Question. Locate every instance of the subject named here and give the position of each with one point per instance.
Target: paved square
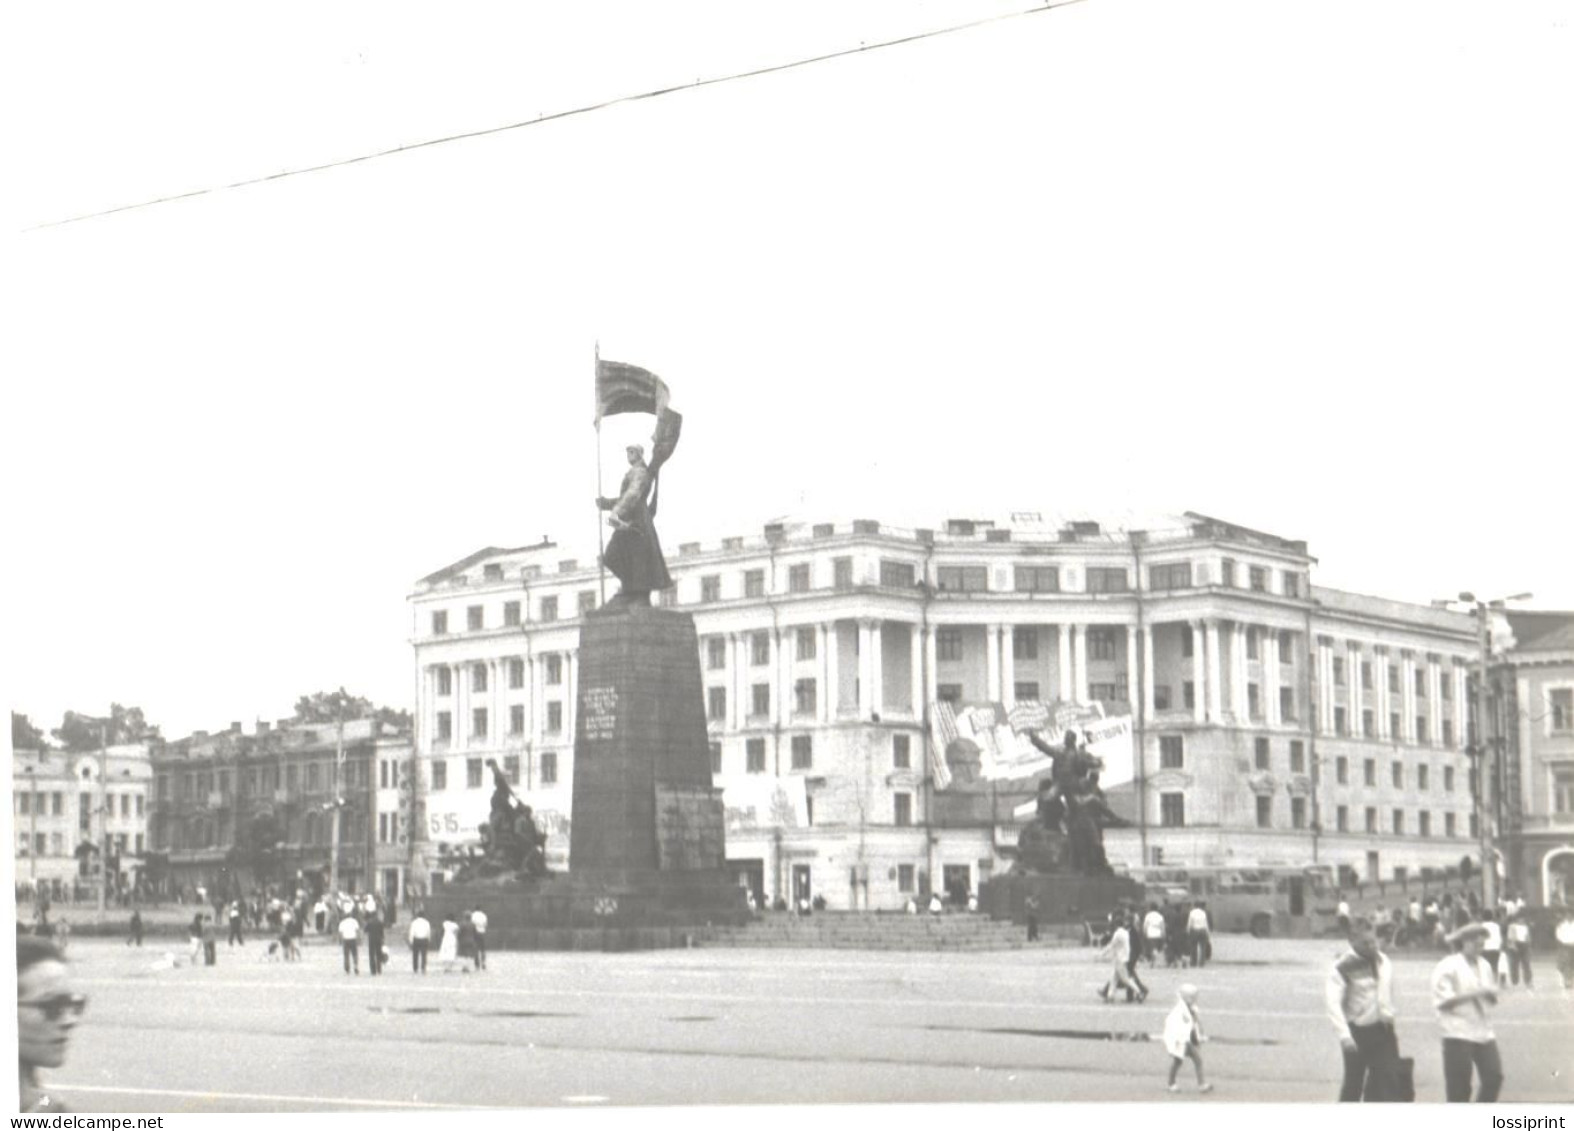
(734, 1026)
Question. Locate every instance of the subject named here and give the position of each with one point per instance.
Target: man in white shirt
(1360, 999)
(1342, 912)
(350, 939)
(478, 921)
(1153, 933)
(1199, 939)
(1118, 950)
(1492, 947)
(1565, 938)
(1517, 946)
(1462, 988)
(420, 940)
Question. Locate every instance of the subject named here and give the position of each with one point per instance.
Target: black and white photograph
(775, 563)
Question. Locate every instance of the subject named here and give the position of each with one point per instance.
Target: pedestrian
(374, 943)
(1183, 1037)
(1564, 935)
(935, 906)
(210, 943)
(1174, 934)
(235, 925)
(350, 940)
(1118, 952)
(1133, 931)
(448, 948)
(1517, 946)
(1199, 938)
(467, 938)
(1343, 912)
(420, 940)
(1463, 985)
(195, 932)
(320, 916)
(1360, 999)
(478, 918)
(1030, 909)
(1492, 948)
(135, 938)
(1153, 933)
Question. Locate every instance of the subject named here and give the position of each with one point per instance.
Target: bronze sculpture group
(510, 841)
(1066, 834)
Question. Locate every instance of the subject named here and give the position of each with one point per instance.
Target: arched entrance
(1557, 877)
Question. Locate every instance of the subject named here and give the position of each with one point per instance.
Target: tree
(24, 735)
(331, 706)
(78, 732)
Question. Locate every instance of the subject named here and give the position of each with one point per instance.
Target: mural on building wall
(763, 802)
(979, 743)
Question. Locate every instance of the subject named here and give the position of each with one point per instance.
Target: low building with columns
(1278, 723)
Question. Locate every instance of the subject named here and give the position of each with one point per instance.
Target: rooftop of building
(289, 735)
(1368, 608)
(1542, 631)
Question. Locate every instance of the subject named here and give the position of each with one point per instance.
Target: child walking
(1183, 1037)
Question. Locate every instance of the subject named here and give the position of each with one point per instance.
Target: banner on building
(985, 742)
(761, 802)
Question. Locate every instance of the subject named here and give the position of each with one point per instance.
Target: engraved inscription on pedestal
(600, 707)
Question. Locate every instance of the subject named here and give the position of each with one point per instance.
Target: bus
(1279, 901)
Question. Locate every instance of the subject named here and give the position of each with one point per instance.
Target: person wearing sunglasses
(47, 1009)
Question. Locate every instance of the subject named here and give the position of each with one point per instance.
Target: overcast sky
(1305, 267)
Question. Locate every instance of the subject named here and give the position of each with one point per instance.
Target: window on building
(475, 618)
(904, 878)
(549, 767)
(511, 614)
(1227, 573)
(1342, 819)
(1560, 706)
(313, 778)
(1253, 701)
(716, 703)
(477, 677)
(440, 623)
(1297, 756)
(1297, 812)
(1176, 575)
(1188, 642)
(802, 752)
(948, 692)
(963, 579)
(1262, 753)
(445, 731)
(1394, 729)
(948, 644)
(754, 583)
(715, 758)
(1026, 691)
(472, 773)
(1188, 694)
(1399, 822)
(516, 674)
(554, 669)
(759, 648)
(904, 809)
(1161, 697)
(805, 697)
(1369, 772)
(1423, 774)
(1448, 779)
(439, 775)
(1475, 827)
(1445, 687)
(806, 644)
(1292, 583)
(1421, 725)
(1264, 811)
(1341, 721)
(1104, 580)
(478, 722)
(1399, 775)
(1448, 733)
(1338, 671)
(1421, 687)
(1449, 828)
(710, 588)
(511, 768)
(1371, 819)
(1424, 823)
(1101, 643)
(587, 601)
(1253, 643)
(549, 609)
(516, 719)
(382, 828)
(901, 752)
(1368, 723)
(1342, 770)
(1172, 810)
(140, 800)
(445, 681)
(842, 573)
(1286, 647)
(1172, 752)
(715, 653)
(555, 716)
(1036, 579)
(1024, 643)
(759, 700)
(898, 575)
(1393, 679)
(1287, 704)
(754, 755)
(1257, 579)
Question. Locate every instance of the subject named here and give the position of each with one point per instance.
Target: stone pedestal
(647, 842)
(1061, 898)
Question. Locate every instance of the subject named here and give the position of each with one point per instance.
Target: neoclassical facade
(1277, 722)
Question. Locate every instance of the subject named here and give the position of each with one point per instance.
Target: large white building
(71, 805)
(1278, 722)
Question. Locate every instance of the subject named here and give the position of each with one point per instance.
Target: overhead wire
(559, 115)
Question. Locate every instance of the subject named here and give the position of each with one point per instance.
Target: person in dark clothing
(1133, 923)
(374, 943)
(235, 925)
(136, 929)
(1030, 907)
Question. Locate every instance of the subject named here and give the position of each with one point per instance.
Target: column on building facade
(1079, 648)
(1008, 665)
(931, 661)
(1434, 689)
(1269, 652)
(776, 669)
(1238, 674)
(915, 649)
(734, 684)
(865, 668)
(1324, 685)
(1150, 673)
(497, 716)
(1461, 677)
(570, 693)
(1063, 658)
(1199, 667)
(460, 682)
(992, 663)
(1215, 672)
(876, 669)
(1133, 664)
(1357, 693)
(1407, 696)
(833, 672)
(532, 699)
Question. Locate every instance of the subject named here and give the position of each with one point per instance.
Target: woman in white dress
(448, 952)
